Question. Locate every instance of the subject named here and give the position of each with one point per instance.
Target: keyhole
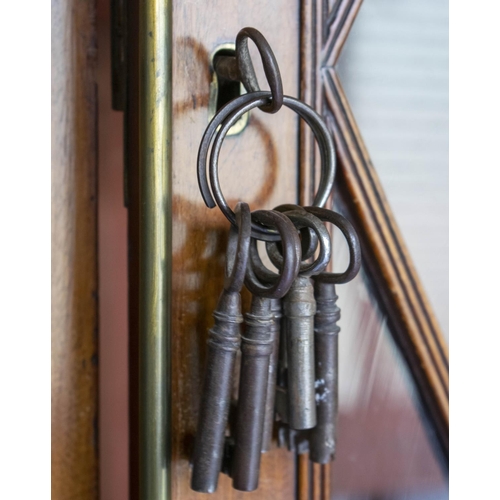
(223, 90)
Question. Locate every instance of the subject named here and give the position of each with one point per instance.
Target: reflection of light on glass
(383, 450)
(394, 69)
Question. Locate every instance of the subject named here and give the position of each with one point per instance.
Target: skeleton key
(276, 393)
(256, 349)
(223, 343)
(299, 308)
(322, 439)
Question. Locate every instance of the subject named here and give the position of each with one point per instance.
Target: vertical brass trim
(155, 108)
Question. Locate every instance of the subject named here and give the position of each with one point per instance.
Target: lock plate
(223, 90)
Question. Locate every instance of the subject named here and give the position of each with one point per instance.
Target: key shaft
(256, 348)
(223, 343)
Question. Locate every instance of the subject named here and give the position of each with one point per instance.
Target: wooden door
(162, 81)
(181, 264)
(74, 251)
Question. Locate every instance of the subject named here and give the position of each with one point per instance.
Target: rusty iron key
(322, 439)
(276, 385)
(299, 308)
(223, 344)
(256, 350)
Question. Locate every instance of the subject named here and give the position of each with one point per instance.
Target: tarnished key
(256, 349)
(223, 343)
(326, 334)
(322, 439)
(299, 308)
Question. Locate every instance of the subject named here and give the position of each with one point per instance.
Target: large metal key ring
(226, 117)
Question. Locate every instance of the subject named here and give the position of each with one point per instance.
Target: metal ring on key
(352, 242)
(302, 219)
(231, 113)
(238, 249)
(308, 238)
(260, 271)
(271, 69)
(291, 248)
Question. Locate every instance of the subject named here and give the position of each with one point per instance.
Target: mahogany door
(162, 82)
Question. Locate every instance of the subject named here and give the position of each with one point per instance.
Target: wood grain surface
(258, 166)
(74, 252)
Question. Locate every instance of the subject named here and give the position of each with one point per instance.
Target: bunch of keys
(256, 346)
(289, 344)
(308, 333)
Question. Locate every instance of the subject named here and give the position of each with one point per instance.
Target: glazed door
(176, 243)
(393, 424)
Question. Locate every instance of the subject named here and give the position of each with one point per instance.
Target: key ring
(351, 237)
(237, 249)
(271, 69)
(231, 113)
(291, 246)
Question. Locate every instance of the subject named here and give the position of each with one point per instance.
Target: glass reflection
(394, 70)
(383, 450)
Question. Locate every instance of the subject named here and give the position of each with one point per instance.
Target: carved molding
(394, 281)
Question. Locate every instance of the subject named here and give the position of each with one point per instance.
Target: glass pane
(383, 449)
(394, 70)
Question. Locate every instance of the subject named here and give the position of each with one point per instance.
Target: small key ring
(238, 249)
(226, 117)
(302, 219)
(271, 69)
(291, 248)
(351, 237)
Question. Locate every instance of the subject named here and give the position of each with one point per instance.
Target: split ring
(231, 113)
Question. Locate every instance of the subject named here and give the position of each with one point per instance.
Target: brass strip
(155, 253)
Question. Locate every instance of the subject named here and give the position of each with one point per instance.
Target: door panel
(74, 252)
(272, 161)
(258, 166)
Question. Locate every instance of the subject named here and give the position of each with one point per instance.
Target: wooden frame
(74, 251)
(396, 286)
